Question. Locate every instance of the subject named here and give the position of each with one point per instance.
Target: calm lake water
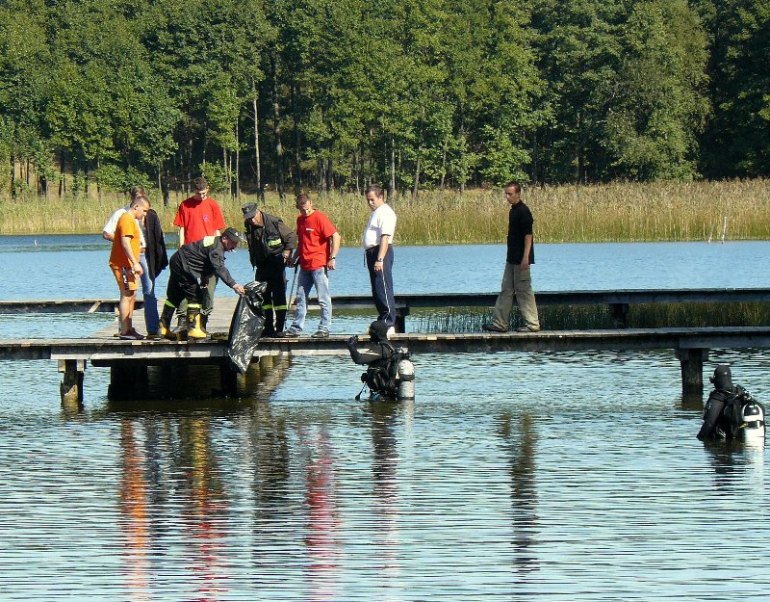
(512, 476)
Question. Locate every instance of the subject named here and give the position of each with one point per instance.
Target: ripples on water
(512, 476)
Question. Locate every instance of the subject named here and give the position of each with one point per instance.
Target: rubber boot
(165, 322)
(194, 329)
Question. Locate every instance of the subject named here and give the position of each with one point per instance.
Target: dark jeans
(382, 284)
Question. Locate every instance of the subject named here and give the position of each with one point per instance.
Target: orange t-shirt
(127, 226)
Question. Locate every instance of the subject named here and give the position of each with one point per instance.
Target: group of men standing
(313, 251)
(139, 255)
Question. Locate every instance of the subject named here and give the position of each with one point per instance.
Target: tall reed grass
(660, 211)
(562, 317)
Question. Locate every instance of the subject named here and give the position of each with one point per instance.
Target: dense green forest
(414, 94)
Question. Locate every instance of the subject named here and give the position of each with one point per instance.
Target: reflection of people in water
(384, 470)
(521, 446)
(208, 511)
(134, 507)
(323, 520)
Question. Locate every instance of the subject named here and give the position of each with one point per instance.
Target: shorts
(126, 279)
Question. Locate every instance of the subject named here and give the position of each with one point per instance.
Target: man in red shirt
(124, 261)
(316, 253)
(198, 217)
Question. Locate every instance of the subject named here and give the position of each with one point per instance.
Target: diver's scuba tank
(405, 378)
(752, 421)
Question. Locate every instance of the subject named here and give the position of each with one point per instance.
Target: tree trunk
(237, 162)
(297, 140)
(277, 133)
(416, 186)
(258, 168)
(392, 185)
(442, 182)
(98, 182)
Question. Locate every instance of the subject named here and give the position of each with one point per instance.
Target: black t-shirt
(519, 225)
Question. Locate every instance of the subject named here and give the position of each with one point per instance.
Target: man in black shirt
(191, 267)
(517, 279)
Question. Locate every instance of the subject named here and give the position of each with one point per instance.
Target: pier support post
(691, 362)
(71, 388)
(128, 380)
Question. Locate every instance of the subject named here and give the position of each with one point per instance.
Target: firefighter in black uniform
(271, 244)
(190, 269)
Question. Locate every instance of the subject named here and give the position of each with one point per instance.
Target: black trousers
(274, 275)
(382, 284)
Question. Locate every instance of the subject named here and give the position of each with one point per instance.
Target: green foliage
(413, 94)
(736, 142)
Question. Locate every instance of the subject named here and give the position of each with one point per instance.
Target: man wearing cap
(191, 268)
(271, 244)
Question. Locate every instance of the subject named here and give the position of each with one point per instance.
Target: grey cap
(249, 211)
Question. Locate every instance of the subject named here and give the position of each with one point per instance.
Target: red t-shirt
(314, 232)
(199, 218)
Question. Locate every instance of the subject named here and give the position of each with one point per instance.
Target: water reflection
(171, 493)
(520, 440)
(134, 506)
(322, 527)
(387, 505)
(736, 466)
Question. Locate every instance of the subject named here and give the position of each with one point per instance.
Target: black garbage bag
(246, 326)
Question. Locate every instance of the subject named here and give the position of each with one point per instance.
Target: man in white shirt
(377, 241)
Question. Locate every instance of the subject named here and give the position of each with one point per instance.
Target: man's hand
(239, 289)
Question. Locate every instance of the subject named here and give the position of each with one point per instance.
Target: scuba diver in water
(731, 413)
(389, 373)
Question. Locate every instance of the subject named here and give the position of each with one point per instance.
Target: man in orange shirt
(124, 261)
(198, 217)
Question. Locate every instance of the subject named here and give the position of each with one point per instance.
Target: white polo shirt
(382, 221)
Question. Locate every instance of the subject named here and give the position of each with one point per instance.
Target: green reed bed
(660, 211)
(559, 317)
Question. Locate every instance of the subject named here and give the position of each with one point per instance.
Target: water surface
(512, 476)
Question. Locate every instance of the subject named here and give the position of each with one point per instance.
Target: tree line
(412, 94)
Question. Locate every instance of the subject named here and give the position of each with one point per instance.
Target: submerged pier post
(71, 388)
(691, 362)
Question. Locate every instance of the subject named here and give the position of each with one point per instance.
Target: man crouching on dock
(191, 267)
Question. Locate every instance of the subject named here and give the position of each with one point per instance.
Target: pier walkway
(690, 344)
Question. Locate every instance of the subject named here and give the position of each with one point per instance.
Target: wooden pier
(128, 358)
